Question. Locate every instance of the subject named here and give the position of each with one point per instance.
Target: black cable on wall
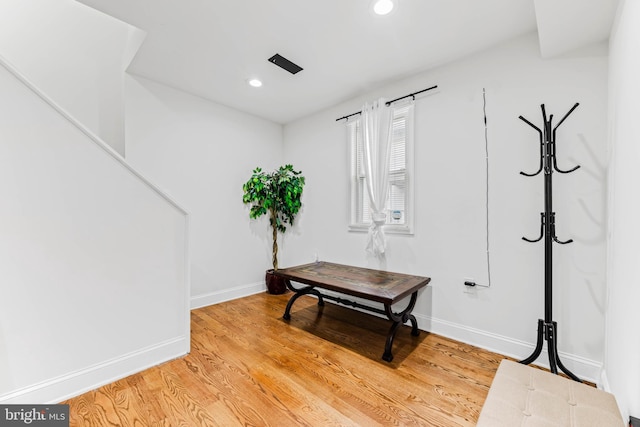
(486, 151)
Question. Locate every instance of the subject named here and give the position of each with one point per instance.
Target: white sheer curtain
(375, 123)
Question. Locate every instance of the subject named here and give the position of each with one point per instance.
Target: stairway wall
(94, 269)
(76, 55)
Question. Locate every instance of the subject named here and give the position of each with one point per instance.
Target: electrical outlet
(469, 286)
(470, 290)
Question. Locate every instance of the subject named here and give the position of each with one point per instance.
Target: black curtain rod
(392, 101)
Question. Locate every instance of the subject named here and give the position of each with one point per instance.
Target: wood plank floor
(248, 367)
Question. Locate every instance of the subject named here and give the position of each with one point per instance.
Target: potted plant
(277, 194)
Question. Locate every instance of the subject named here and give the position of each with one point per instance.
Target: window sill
(388, 229)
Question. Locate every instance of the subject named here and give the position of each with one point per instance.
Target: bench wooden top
(374, 285)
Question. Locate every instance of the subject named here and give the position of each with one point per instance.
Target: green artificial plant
(277, 193)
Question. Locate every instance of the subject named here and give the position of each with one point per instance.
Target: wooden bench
(373, 285)
(521, 395)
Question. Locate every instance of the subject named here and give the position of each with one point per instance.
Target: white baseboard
(75, 383)
(217, 297)
(585, 369)
(604, 382)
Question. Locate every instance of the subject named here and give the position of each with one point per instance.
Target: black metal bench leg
(387, 355)
(398, 319)
(298, 293)
(414, 326)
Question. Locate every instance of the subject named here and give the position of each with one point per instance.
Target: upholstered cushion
(524, 396)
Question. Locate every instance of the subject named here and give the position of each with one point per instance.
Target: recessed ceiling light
(254, 82)
(382, 7)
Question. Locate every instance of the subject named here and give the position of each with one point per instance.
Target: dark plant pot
(276, 285)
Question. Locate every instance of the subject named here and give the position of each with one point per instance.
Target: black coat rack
(547, 328)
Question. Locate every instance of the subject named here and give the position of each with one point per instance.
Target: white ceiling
(211, 47)
(570, 24)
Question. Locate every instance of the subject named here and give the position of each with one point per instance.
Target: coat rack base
(548, 331)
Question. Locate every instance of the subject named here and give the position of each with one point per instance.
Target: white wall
(76, 55)
(201, 153)
(623, 341)
(449, 240)
(93, 259)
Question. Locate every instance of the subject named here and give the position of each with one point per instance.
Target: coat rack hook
(541, 230)
(541, 149)
(530, 124)
(555, 239)
(552, 218)
(555, 166)
(555, 163)
(565, 116)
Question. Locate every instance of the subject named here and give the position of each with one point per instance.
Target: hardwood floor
(249, 367)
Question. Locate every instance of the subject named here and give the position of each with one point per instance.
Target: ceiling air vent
(285, 64)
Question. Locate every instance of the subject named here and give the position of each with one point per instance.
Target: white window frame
(358, 192)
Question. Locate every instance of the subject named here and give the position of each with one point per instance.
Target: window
(399, 207)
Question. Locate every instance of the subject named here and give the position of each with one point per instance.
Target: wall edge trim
(585, 369)
(216, 297)
(83, 380)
